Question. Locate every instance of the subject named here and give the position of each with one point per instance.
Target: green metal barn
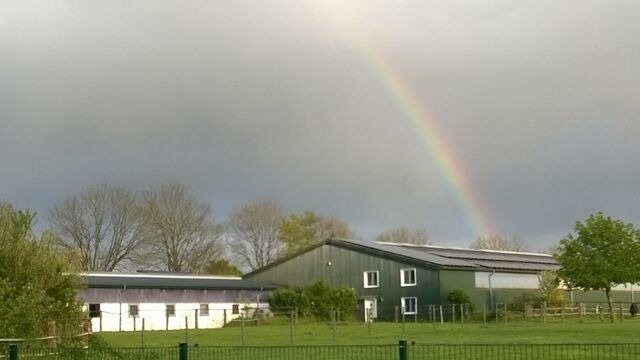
(391, 278)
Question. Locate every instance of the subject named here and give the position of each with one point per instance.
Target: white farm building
(166, 301)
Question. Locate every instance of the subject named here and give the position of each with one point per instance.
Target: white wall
(115, 316)
(506, 280)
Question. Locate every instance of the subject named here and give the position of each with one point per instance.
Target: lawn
(570, 332)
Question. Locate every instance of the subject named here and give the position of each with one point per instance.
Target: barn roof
(176, 281)
(440, 257)
(494, 259)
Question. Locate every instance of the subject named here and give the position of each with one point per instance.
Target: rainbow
(349, 23)
(434, 138)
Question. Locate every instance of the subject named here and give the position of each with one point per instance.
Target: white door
(370, 310)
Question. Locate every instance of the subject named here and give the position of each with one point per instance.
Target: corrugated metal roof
(405, 252)
(459, 257)
(490, 255)
(509, 265)
(169, 281)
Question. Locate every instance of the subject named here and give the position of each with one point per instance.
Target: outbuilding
(165, 301)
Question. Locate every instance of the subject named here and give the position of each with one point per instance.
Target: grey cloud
(244, 100)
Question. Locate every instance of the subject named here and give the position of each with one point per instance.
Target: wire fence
(402, 351)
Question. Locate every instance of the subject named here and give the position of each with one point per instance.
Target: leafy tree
(497, 242)
(179, 230)
(36, 284)
(548, 282)
(221, 267)
(102, 225)
(287, 299)
(298, 232)
(603, 253)
(253, 234)
(405, 236)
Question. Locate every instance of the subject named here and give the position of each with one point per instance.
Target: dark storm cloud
(273, 100)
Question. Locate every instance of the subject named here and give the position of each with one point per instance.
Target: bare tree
(333, 227)
(179, 229)
(103, 225)
(497, 242)
(253, 234)
(405, 235)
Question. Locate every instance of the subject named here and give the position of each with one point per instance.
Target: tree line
(109, 228)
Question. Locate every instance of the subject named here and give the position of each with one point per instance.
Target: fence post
(291, 327)
(506, 313)
(461, 313)
(403, 350)
(196, 317)
(242, 325)
(186, 329)
(484, 313)
(580, 312)
(453, 313)
(333, 324)
(13, 352)
(621, 313)
(396, 312)
(183, 350)
(51, 331)
(142, 335)
(441, 316)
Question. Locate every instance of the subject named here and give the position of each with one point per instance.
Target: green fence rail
(401, 351)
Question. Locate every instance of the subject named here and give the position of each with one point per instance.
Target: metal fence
(402, 351)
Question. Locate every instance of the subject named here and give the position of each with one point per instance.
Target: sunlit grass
(389, 333)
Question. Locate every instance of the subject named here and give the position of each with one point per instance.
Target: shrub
(316, 299)
(457, 296)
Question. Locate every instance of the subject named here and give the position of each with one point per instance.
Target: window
(371, 279)
(235, 309)
(171, 310)
(409, 305)
(133, 310)
(408, 277)
(94, 310)
(204, 309)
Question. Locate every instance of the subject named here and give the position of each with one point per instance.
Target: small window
(371, 279)
(204, 309)
(94, 310)
(409, 305)
(171, 310)
(235, 309)
(408, 277)
(133, 310)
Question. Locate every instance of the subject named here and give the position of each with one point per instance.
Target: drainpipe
(493, 272)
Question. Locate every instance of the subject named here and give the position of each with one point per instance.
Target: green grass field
(389, 333)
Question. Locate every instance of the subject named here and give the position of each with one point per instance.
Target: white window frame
(137, 312)
(166, 311)
(365, 279)
(403, 302)
(204, 310)
(415, 277)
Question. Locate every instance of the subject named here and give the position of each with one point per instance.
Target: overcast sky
(246, 100)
